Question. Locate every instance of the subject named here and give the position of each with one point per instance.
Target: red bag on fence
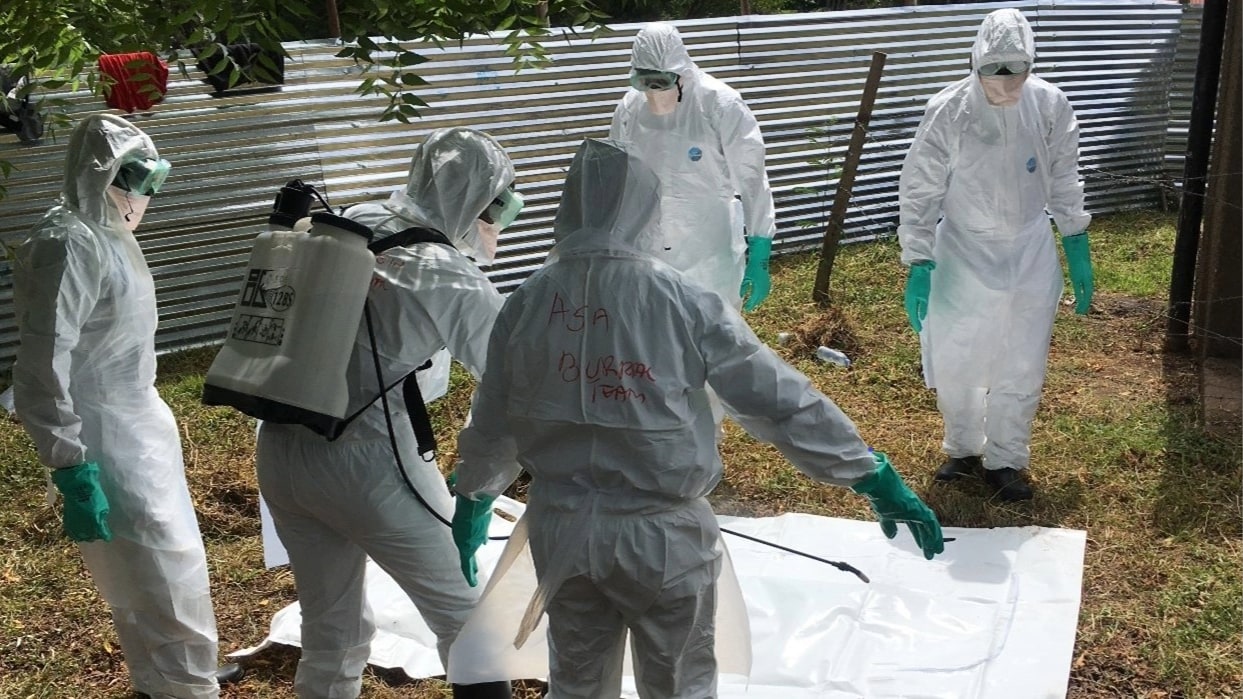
(140, 80)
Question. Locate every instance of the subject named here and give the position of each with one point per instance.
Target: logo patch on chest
(695, 154)
(1031, 164)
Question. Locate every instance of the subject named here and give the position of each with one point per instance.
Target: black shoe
(1008, 484)
(957, 467)
(483, 690)
(230, 673)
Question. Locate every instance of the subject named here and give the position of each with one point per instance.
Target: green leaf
(226, 64)
(210, 51)
(410, 58)
(65, 54)
(265, 62)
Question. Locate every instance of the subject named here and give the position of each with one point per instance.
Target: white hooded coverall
(335, 503)
(988, 173)
(596, 384)
(84, 389)
(706, 151)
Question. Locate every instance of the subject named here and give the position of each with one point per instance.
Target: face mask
(129, 205)
(662, 102)
(487, 233)
(1003, 90)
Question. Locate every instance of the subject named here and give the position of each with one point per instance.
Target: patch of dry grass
(1117, 451)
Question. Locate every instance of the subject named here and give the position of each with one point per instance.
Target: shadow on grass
(175, 367)
(971, 503)
(1199, 493)
(274, 668)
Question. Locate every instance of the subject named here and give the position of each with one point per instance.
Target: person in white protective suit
(84, 390)
(334, 503)
(700, 138)
(596, 384)
(994, 151)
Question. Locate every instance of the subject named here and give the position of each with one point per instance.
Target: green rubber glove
(918, 286)
(1079, 261)
(755, 280)
(894, 502)
(470, 530)
(86, 507)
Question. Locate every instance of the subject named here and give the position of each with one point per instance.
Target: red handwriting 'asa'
(576, 318)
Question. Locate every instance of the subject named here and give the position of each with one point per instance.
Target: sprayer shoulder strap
(416, 409)
(409, 236)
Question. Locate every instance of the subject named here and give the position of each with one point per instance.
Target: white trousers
(995, 425)
(336, 503)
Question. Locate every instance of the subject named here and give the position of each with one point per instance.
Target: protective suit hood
(1004, 35)
(98, 147)
(659, 46)
(454, 174)
(611, 201)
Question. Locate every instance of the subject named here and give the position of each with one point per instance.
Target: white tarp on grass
(995, 616)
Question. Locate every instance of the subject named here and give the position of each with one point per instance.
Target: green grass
(1118, 451)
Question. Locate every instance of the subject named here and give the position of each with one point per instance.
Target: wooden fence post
(833, 233)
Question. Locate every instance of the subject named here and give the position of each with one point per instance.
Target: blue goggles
(144, 176)
(1005, 68)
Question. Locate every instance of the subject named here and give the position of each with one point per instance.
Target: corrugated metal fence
(797, 72)
(1181, 84)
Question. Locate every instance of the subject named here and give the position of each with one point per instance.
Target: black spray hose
(321, 199)
(836, 564)
(392, 433)
(401, 469)
(388, 418)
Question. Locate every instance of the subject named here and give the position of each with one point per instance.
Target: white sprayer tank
(294, 324)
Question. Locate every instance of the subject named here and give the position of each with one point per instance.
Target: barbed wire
(1194, 330)
(882, 230)
(887, 229)
(1147, 179)
(1090, 172)
(1165, 184)
(1197, 331)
